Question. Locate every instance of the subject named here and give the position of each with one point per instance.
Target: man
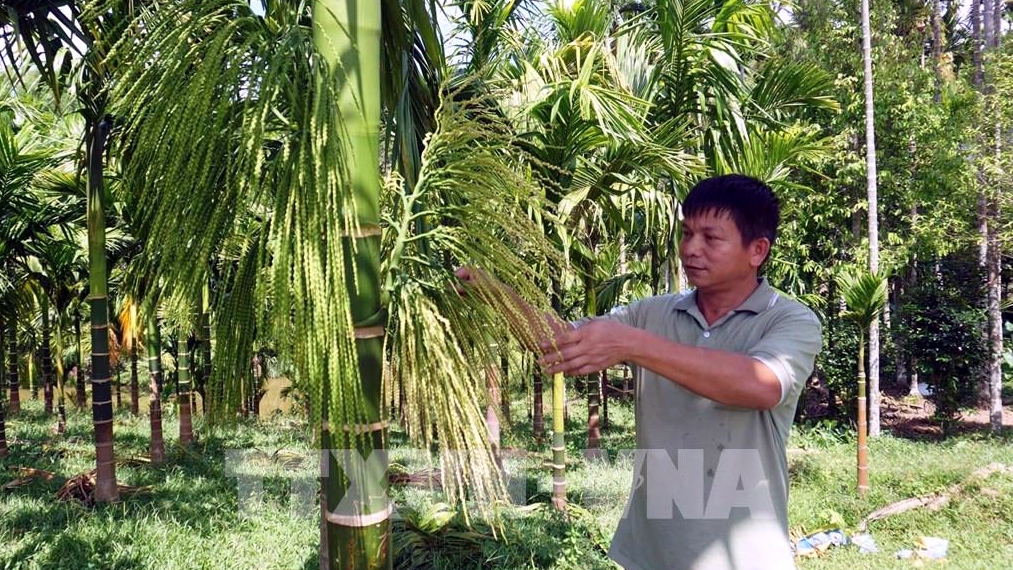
(719, 371)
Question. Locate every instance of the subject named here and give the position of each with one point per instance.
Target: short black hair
(750, 203)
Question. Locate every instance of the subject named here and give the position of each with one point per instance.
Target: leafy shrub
(943, 324)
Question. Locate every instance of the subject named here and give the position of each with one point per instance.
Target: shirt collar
(760, 300)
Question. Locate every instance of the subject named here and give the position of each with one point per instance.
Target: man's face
(713, 254)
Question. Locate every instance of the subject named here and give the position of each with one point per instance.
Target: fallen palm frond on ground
(28, 474)
(935, 501)
(81, 488)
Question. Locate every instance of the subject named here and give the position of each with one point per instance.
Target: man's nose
(689, 247)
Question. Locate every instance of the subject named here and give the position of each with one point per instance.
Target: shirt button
(706, 334)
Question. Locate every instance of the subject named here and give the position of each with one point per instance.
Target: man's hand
(594, 346)
(468, 278)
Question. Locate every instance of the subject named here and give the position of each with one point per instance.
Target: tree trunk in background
(937, 52)
(538, 415)
(3, 424)
(604, 381)
(14, 400)
(504, 391)
(101, 389)
(871, 177)
(80, 395)
(154, 344)
(61, 396)
(491, 418)
(592, 383)
(205, 346)
(47, 358)
(184, 389)
(135, 392)
(993, 41)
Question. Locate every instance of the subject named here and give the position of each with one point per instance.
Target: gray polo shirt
(710, 481)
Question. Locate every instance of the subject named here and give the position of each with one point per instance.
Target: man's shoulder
(785, 306)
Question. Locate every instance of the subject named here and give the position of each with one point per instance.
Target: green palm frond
(468, 207)
(42, 34)
(783, 86)
(864, 294)
(772, 156)
(248, 122)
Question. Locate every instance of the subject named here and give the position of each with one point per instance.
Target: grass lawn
(189, 514)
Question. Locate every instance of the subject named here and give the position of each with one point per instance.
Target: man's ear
(759, 249)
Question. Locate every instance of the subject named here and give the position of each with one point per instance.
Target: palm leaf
(864, 294)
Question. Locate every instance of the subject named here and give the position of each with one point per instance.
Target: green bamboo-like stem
(47, 357)
(14, 400)
(347, 35)
(79, 397)
(154, 344)
(184, 390)
(101, 389)
(863, 446)
(558, 443)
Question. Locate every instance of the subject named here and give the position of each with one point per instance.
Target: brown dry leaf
(28, 474)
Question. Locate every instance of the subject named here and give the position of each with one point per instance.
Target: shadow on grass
(191, 494)
(68, 552)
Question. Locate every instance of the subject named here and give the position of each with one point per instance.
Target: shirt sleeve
(789, 349)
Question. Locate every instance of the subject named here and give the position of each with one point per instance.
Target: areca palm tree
(45, 30)
(864, 294)
(288, 109)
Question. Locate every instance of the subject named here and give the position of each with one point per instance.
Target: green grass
(188, 515)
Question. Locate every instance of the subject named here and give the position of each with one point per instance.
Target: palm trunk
(135, 394)
(359, 539)
(118, 388)
(492, 422)
(183, 387)
(504, 398)
(3, 424)
(33, 380)
(558, 443)
(101, 390)
(154, 342)
(79, 396)
(538, 414)
(205, 323)
(593, 384)
(863, 446)
(14, 401)
(61, 406)
(605, 387)
(3, 433)
(47, 358)
(871, 176)
(993, 41)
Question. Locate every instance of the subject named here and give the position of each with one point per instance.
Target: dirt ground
(911, 417)
(908, 416)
